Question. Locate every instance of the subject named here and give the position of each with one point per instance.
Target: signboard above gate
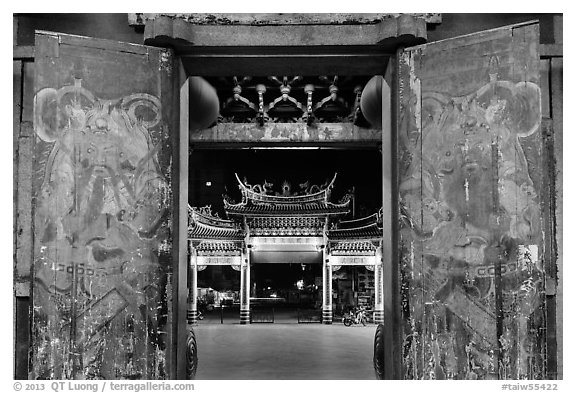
(205, 260)
(352, 261)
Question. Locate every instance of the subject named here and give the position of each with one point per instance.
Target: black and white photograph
(301, 196)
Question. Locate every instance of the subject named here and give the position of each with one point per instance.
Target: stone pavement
(284, 351)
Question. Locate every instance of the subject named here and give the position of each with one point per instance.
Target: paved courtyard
(284, 351)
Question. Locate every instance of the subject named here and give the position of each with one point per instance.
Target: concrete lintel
(161, 30)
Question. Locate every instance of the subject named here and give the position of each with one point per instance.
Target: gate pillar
(245, 287)
(326, 288)
(192, 312)
(379, 288)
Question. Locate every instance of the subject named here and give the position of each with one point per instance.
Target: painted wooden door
(103, 116)
(470, 167)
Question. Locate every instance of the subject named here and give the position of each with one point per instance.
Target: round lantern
(371, 101)
(203, 103)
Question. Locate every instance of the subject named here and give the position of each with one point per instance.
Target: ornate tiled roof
(353, 248)
(286, 226)
(203, 225)
(367, 228)
(260, 200)
(220, 248)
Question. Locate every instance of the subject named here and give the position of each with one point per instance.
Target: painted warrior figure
(101, 203)
(469, 204)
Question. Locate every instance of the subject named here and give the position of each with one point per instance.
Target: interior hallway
(285, 351)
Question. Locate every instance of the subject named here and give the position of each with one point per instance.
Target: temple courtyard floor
(287, 351)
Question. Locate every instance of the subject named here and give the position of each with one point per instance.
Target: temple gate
(288, 226)
(464, 264)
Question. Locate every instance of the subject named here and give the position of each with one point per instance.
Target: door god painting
(471, 234)
(101, 210)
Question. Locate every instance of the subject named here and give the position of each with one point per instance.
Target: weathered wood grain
(23, 171)
(24, 228)
(470, 191)
(181, 163)
(102, 178)
(27, 98)
(22, 220)
(545, 86)
(557, 77)
(16, 113)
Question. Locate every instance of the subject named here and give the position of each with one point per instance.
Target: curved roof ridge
(354, 228)
(209, 219)
(322, 193)
(372, 218)
(362, 228)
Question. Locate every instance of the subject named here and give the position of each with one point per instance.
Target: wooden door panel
(470, 182)
(103, 115)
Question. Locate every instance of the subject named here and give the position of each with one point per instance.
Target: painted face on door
(472, 163)
(465, 168)
(100, 154)
(100, 207)
(110, 145)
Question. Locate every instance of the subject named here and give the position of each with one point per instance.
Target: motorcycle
(357, 318)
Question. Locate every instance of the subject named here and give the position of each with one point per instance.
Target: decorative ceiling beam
(287, 133)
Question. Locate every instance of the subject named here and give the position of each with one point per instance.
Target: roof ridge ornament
(305, 188)
(286, 189)
(264, 188)
(347, 197)
(205, 211)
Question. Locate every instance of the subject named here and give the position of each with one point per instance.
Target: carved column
(326, 288)
(378, 287)
(192, 314)
(245, 287)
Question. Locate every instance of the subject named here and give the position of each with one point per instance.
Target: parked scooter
(355, 318)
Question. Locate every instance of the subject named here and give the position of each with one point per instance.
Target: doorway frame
(388, 149)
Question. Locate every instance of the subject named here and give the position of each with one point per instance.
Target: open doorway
(286, 286)
(212, 173)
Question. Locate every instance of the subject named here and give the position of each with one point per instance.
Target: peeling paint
(471, 232)
(260, 19)
(100, 204)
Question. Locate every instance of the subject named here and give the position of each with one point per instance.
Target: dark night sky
(360, 169)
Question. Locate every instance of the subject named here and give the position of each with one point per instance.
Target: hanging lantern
(203, 104)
